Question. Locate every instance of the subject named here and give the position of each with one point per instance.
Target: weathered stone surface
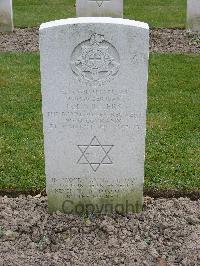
(6, 16)
(193, 15)
(101, 8)
(94, 88)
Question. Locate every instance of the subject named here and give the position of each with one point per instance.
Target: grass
(173, 150)
(172, 154)
(21, 142)
(158, 13)
(34, 12)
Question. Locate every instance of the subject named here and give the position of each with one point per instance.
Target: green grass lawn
(172, 154)
(158, 13)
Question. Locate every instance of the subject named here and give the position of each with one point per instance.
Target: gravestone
(6, 16)
(101, 8)
(94, 87)
(193, 15)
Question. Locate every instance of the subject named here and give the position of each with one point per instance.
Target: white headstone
(94, 88)
(99, 8)
(6, 15)
(193, 15)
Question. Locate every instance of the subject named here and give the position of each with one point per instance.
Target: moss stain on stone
(194, 23)
(5, 22)
(123, 202)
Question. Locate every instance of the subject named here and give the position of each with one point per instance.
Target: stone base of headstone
(124, 202)
(6, 16)
(94, 88)
(193, 15)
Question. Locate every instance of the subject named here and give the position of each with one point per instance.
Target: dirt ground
(167, 232)
(161, 40)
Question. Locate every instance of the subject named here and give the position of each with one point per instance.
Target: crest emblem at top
(95, 61)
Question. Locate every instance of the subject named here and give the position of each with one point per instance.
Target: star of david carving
(95, 154)
(99, 3)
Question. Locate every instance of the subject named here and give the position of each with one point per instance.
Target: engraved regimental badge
(95, 61)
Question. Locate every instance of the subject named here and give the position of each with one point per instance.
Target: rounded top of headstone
(91, 20)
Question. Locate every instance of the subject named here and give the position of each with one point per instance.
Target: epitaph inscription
(95, 61)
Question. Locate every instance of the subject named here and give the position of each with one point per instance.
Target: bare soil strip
(152, 192)
(161, 40)
(167, 232)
